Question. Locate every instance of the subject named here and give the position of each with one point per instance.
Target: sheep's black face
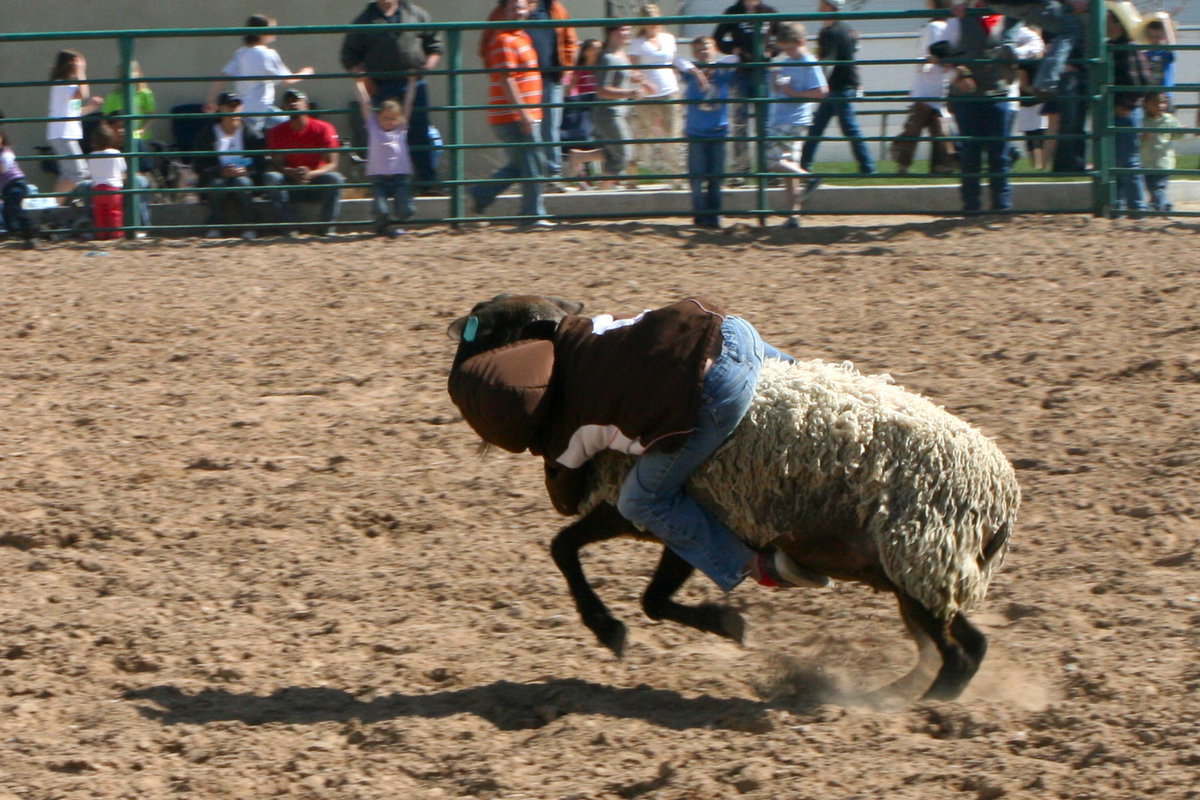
(507, 318)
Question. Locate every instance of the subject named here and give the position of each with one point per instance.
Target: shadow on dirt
(507, 705)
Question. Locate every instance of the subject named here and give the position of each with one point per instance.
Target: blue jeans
(1072, 102)
(552, 92)
(15, 218)
(398, 189)
(1129, 186)
(653, 494)
(984, 119)
(849, 124)
(1156, 185)
(706, 163)
(326, 189)
(220, 202)
(523, 162)
(419, 143)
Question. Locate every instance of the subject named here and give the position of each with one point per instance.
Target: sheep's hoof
(611, 633)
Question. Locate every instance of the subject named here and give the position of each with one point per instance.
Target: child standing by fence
(13, 191)
(107, 169)
(69, 101)
(1158, 153)
(706, 125)
(389, 165)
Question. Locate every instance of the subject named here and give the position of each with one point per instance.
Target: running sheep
(851, 475)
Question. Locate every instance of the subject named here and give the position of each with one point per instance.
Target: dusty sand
(247, 548)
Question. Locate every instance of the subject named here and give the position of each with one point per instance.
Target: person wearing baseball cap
(312, 171)
(227, 168)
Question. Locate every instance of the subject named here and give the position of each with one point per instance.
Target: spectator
(980, 99)
(389, 165)
(13, 191)
(248, 66)
(707, 89)
(313, 175)
(837, 42)
(229, 168)
(654, 50)
(557, 50)
(740, 38)
(577, 131)
(1162, 62)
(143, 103)
(515, 81)
(69, 101)
(618, 84)
(390, 60)
(107, 169)
(932, 81)
(1031, 121)
(797, 81)
(1060, 23)
(1158, 153)
(138, 181)
(1130, 68)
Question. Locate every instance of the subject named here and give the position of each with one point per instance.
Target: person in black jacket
(388, 58)
(838, 42)
(738, 38)
(227, 165)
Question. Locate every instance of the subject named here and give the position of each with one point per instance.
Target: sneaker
(213, 234)
(538, 225)
(792, 222)
(329, 230)
(396, 233)
(249, 236)
(777, 569)
(810, 186)
(557, 187)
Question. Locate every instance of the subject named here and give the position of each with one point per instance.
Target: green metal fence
(460, 36)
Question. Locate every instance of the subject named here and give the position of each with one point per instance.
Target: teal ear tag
(470, 329)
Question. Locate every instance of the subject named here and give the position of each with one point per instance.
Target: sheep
(851, 475)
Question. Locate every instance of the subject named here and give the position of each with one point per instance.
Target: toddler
(1158, 153)
(13, 191)
(389, 165)
(107, 169)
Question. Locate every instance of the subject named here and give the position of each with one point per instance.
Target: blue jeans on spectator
(419, 144)
(326, 189)
(837, 103)
(1156, 186)
(552, 92)
(976, 120)
(706, 163)
(653, 494)
(1072, 102)
(219, 202)
(1129, 185)
(398, 189)
(16, 221)
(523, 162)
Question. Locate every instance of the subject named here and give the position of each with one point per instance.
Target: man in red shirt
(515, 82)
(313, 174)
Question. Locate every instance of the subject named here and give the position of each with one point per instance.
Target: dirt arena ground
(248, 550)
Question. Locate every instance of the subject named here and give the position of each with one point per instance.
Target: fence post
(761, 112)
(130, 200)
(1100, 77)
(458, 204)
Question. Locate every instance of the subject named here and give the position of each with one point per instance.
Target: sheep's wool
(826, 441)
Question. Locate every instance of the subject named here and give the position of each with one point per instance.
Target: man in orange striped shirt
(516, 93)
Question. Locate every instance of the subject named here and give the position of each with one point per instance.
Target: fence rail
(1099, 96)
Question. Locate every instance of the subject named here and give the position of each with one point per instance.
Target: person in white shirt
(107, 168)
(248, 66)
(654, 50)
(928, 110)
(69, 100)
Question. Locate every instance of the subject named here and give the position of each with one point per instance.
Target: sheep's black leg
(669, 576)
(602, 522)
(960, 644)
